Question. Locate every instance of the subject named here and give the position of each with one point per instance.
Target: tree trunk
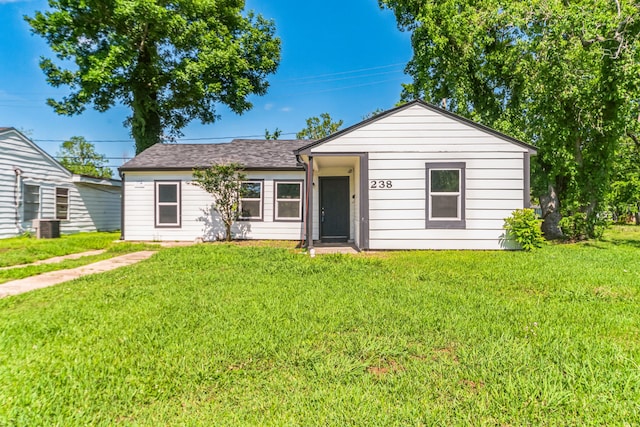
(228, 232)
(146, 127)
(638, 216)
(550, 205)
(146, 124)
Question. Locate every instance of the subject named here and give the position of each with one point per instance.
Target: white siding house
(34, 187)
(414, 177)
(162, 203)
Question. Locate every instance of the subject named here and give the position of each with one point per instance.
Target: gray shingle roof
(251, 153)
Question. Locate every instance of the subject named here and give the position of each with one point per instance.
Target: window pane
(61, 212)
(444, 206)
(252, 190)
(167, 193)
(167, 214)
(31, 202)
(288, 190)
(289, 209)
(250, 209)
(445, 181)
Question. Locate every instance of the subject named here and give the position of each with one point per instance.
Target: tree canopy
(79, 156)
(169, 62)
(319, 127)
(561, 75)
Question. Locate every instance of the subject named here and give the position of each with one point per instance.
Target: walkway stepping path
(57, 259)
(44, 280)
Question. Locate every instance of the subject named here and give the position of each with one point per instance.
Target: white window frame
(253, 199)
(276, 200)
(57, 204)
(158, 204)
(25, 202)
(446, 222)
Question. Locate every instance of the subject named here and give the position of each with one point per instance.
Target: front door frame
(362, 193)
(346, 209)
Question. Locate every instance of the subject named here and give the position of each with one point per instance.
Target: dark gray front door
(334, 209)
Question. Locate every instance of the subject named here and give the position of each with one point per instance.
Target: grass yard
(220, 334)
(25, 250)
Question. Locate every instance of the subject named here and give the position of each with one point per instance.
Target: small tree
(224, 183)
(272, 135)
(319, 127)
(79, 156)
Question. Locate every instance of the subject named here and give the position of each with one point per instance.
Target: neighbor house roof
(250, 153)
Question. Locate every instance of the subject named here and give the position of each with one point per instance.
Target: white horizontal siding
(89, 210)
(400, 145)
(198, 219)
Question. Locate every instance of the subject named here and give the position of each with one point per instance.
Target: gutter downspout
(16, 194)
(122, 175)
(306, 224)
(312, 251)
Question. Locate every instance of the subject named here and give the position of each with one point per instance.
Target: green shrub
(579, 226)
(523, 226)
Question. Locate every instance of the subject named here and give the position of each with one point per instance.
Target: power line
(344, 72)
(206, 138)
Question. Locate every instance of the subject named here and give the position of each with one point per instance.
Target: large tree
(80, 156)
(562, 75)
(169, 61)
(319, 127)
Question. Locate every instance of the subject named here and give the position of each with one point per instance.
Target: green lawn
(24, 250)
(220, 334)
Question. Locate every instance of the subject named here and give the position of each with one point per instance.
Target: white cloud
(286, 109)
(267, 107)
(12, 1)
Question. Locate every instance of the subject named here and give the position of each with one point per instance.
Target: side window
(445, 207)
(167, 201)
(288, 201)
(62, 203)
(31, 200)
(251, 202)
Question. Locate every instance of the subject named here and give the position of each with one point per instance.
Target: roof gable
(4, 132)
(455, 117)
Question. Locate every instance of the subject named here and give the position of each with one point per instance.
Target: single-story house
(35, 188)
(413, 177)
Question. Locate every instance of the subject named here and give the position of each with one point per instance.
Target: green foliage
(624, 197)
(79, 156)
(580, 226)
(563, 75)
(319, 127)
(523, 226)
(223, 334)
(224, 183)
(169, 62)
(272, 136)
(372, 114)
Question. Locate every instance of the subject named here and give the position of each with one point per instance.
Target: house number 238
(380, 184)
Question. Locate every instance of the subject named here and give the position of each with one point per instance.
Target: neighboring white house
(34, 187)
(414, 177)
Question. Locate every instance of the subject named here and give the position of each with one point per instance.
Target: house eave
(189, 169)
(86, 179)
(307, 148)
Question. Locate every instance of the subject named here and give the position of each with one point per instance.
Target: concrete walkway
(57, 259)
(44, 280)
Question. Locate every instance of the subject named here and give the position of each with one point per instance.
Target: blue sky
(345, 58)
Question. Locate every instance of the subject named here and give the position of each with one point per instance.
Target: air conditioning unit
(48, 229)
